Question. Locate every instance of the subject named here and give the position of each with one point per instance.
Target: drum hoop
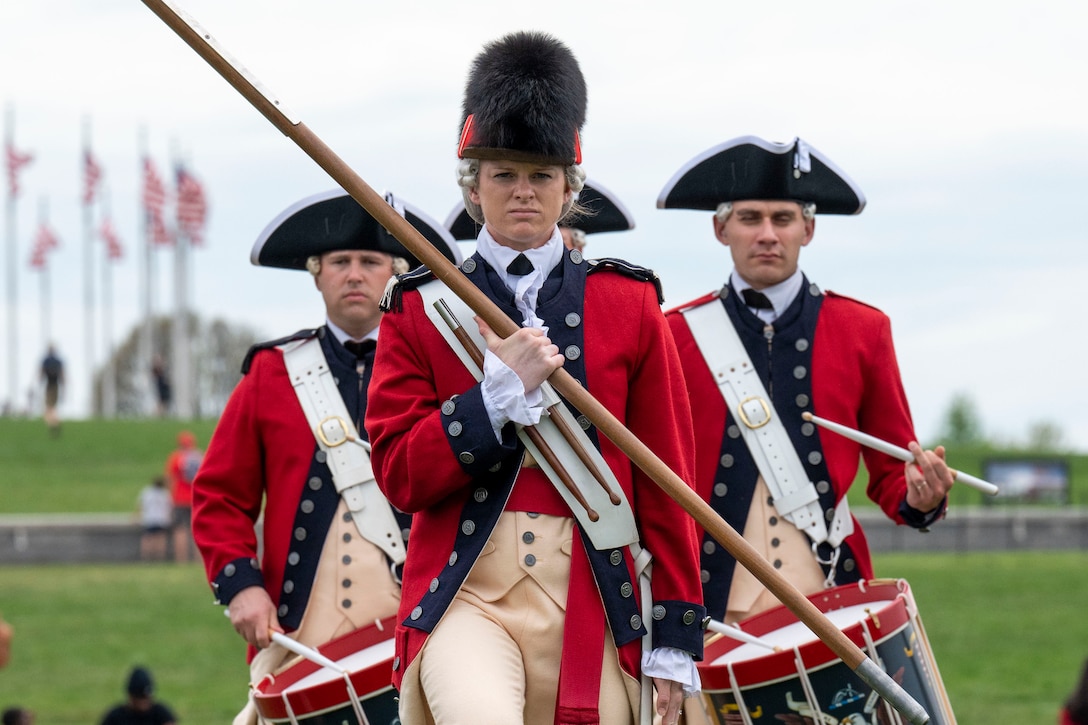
(273, 698)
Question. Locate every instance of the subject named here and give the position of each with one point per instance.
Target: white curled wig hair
(313, 264)
(468, 177)
(808, 210)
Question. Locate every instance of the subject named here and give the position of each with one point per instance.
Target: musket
(209, 49)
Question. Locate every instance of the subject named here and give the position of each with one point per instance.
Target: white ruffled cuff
(505, 397)
(669, 663)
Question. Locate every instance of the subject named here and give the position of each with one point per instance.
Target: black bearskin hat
(525, 99)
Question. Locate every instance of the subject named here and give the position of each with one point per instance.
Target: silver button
(720, 489)
(709, 547)
(455, 428)
(417, 613)
(573, 319)
(575, 256)
(468, 266)
(704, 575)
(528, 537)
(466, 458)
(320, 456)
(533, 514)
(307, 506)
(254, 564)
(530, 560)
(823, 486)
(453, 558)
(229, 570)
(829, 515)
(315, 483)
(626, 590)
(849, 565)
(496, 467)
(434, 585)
(615, 558)
(800, 372)
(293, 558)
(573, 352)
(689, 617)
(658, 612)
(815, 457)
(801, 344)
(636, 621)
(812, 288)
(807, 429)
(801, 400)
(583, 422)
(282, 611)
(727, 460)
(479, 495)
(396, 663)
(300, 534)
(733, 431)
(288, 586)
(449, 407)
(468, 528)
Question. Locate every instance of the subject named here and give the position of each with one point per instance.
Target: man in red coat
(318, 576)
(511, 612)
(814, 352)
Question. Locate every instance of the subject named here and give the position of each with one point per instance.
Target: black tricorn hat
(525, 100)
(332, 220)
(748, 168)
(607, 214)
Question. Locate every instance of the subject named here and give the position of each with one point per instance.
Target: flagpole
(143, 366)
(88, 262)
(109, 369)
(12, 261)
(183, 389)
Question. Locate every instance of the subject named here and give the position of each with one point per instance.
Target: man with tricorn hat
(769, 472)
(330, 542)
(523, 602)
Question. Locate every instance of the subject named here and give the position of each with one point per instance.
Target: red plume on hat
(525, 99)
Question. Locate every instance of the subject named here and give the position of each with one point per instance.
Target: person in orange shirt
(181, 468)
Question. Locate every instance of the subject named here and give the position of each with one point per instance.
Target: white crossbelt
(616, 525)
(794, 496)
(346, 454)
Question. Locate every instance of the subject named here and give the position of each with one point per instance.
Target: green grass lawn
(1008, 631)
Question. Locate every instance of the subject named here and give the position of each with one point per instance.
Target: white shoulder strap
(346, 454)
(794, 496)
(616, 525)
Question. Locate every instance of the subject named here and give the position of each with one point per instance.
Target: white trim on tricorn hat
(525, 100)
(749, 168)
(606, 214)
(332, 220)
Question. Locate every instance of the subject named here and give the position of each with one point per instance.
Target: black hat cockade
(332, 221)
(525, 100)
(749, 168)
(606, 213)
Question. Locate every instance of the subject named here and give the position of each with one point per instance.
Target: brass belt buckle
(743, 415)
(343, 430)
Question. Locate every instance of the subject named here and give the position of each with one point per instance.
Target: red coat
(630, 366)
(853, 379)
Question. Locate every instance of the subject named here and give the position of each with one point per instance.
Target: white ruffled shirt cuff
(669, 663)
(505, 397)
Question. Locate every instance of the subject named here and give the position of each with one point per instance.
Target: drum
(792, 676)
(360, 694)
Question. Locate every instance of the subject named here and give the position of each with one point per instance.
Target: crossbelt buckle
(333, 431)
(754, 412)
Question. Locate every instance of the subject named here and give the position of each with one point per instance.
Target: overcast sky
(963, 123)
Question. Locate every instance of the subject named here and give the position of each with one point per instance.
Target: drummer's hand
(252, 614)
(928, 478)
(528, 352)
(670, 697)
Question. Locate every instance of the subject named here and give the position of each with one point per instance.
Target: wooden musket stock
(205, 46)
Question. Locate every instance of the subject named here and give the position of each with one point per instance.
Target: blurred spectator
(141, 707)
(161, 379)
(17, 716)
(1075, 709)
(52, 374)
(181, 468)
(155, 519)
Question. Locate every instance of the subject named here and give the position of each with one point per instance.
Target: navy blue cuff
(922, 520)
(469, 433)
(238, 575)
(679, 625)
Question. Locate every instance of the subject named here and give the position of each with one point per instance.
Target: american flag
(45, 242)
(92, 176)
(192, 207)
(15, 161)
(109, 236)
(154, 198)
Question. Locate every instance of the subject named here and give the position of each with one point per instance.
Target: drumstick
(737, 633)
(895, 451)
(308, 652)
